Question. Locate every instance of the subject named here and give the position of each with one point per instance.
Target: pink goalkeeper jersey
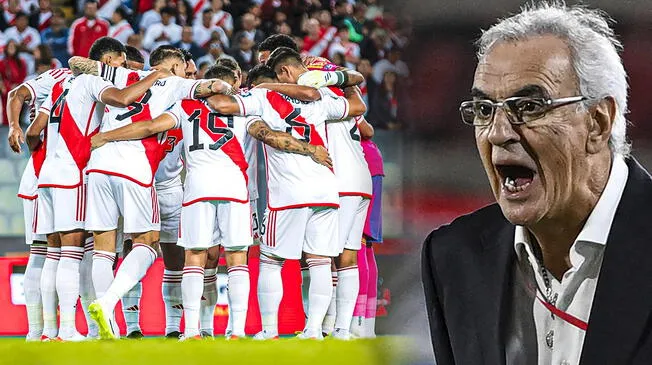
(295, 180)
(374, 158)
(137, 160)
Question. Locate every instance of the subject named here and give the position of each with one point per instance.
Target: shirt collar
(598, 225)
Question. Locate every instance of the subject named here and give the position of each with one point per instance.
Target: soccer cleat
(206, 335)
(174, 335)
(99, 315)
(183, 338)
(75, 337)
(45, 338)
(264, 335)
(135, 335)
(340, 334)
(310, 335)
(33, 338)
(232, 337)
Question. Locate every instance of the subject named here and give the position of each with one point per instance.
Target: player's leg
(374, 233)
(32, 280)
(196, 237)
(357, 324)
(353, 213)
(236, 234)
(170, 201)
(372, 293)
(320, 245)
(86, 289)
(131, 300)
(45, 225)
(209, 295)
(328, 325)
(139, 207)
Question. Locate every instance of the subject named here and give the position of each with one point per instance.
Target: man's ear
(602, 117)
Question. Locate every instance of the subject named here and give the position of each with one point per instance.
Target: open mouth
(515, 178)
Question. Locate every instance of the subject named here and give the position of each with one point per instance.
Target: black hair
(134, 55)
(342, 27)
(124, 14)
(163, 53)
(228, 63)
(258, 72)
(282, 56)
(187, 56)
(21, 14)
(219, 72)
(207, 10)
(276, 41)
(105, 45)
(169, 10)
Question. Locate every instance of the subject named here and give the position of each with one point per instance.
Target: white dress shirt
(536, 336)
(30, 36)
(201, 35)
(121, 31)
(172, 31)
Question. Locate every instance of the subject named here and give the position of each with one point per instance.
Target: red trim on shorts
(364, 195)
(27, 197)
(211, 198)
(306, 205)
(57, 186)
(119, 175)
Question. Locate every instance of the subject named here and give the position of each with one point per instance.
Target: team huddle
(105, 178)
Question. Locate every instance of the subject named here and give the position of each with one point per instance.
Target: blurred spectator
(152, 16)
(249, 30)
(56, 37)
(245, 54)
(215, 52)
(13, 71)
(278, 18)
(165, 32)
(384, 106)
(368, 86)
(86, 30)
(342, 11)
(41, 18)
(326, 23)
(41, 57)
(28, 6)
(373, 47)
(8, 20)
(26, 37)
(106, 8)
(198, 6)
(357, 19)
(283, 28)
(342, 44)
(187, 43)
(318, 39)
(184, 13)
(201, 69)
(121, 29)
(338, 59)
(136, 41)
(374, 10)
(205, 32)
(222, 18)
(391, 63)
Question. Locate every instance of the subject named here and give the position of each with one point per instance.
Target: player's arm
(366, 130)
(356, 104)
(34, 130)
(300, 92)
(224, 104)
(285, 142)
(81, 65)
(15, 101)
(319, 79)
(211, 87)
(138, 130)
(121, 98)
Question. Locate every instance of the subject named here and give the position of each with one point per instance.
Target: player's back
(138, 160)
(213, 144)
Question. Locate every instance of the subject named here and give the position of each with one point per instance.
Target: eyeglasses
(519, 110)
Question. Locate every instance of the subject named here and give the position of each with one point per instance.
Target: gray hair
(594, 52)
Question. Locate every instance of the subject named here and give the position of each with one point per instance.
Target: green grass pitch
(385, 350)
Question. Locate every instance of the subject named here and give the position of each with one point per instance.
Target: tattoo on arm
(280, 140)
(81, 65)
(211, 87)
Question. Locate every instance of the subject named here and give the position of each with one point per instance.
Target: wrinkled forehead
(539, 66)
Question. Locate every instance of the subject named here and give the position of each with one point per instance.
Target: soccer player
(121, 176)
(299, 220)
(34, 92)
(215, 213)
(71, 118)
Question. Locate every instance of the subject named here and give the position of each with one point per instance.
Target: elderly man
(558, 271)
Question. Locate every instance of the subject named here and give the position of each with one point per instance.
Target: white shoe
(264, 335)
(311, 335)
(33, 338)
(370, 327)
(357, 327)
(72, 337)
(183, 338)
(341, 334)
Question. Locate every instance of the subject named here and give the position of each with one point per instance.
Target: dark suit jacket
(467, 277)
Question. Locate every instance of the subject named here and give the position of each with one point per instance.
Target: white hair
(594, 52)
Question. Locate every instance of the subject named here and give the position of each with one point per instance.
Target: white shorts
(205, 224)
(61, 210)
(352, 216)
(169, 202)
(255, 222)
(110, 197)
(288, 232)
(30, 208)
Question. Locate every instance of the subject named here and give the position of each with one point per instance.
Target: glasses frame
(515, 117)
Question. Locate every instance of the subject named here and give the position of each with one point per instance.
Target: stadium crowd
(37, 36)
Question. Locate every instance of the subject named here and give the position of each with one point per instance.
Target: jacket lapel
(623, 297)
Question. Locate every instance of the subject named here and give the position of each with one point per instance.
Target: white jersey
(39, 89)
(74, 117)
(251, 154)
(351, 169)
(295, 180)
(137, 160)
(168, 173)
(216, 164)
